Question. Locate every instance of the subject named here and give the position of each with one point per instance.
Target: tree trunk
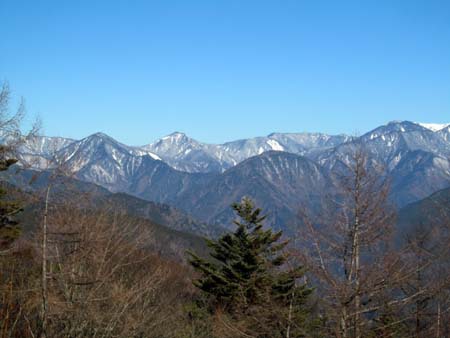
(43, 333)
(357, 282)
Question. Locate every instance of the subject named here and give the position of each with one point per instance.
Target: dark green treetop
(9, 228)
(248, 266)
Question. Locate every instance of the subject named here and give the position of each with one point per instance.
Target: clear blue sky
(222, 70)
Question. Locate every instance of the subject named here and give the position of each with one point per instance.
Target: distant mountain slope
(67, 188)
(164, 214)
(431, 211)
(281, 183)
(419, 174)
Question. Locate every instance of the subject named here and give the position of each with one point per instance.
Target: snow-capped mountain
(416, 158)
(102, 160)
(387, 144)
(280, 171)
(186, 154)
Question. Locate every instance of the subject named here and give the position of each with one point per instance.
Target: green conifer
(246, 276)
(9, 228)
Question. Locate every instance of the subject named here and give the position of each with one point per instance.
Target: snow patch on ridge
(142, 152)
(275, 145)
(154, 156)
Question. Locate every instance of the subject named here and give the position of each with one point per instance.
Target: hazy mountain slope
(431, 211)
(280, 183)
(417, 175)
(161, 214)
(157, 181)
(93, 195)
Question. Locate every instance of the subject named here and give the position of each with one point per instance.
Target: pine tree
(247, 278)
(9, 229)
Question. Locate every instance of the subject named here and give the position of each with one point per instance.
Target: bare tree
(427, 252)
(346, 246)
(12, 136)
(102, 282)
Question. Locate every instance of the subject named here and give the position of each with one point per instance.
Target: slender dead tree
(43, 330)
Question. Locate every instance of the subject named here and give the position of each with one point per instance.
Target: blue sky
(223, 70)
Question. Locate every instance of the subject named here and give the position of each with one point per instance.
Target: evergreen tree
(9, 229)
(247, 278)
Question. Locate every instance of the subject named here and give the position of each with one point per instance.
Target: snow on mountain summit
(434, 126)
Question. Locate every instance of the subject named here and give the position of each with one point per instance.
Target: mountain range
(282, 172)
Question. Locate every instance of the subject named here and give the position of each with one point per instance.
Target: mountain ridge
(204, 179)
